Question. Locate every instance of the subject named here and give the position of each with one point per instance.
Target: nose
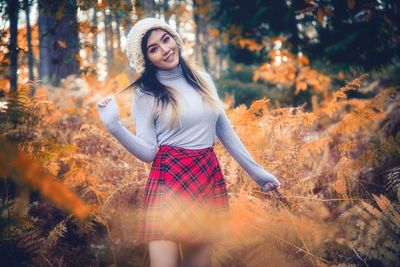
(164, 49)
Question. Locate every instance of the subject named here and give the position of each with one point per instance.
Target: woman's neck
(175, 73)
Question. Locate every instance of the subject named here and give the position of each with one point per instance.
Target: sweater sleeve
(143, 145)
(235, 147)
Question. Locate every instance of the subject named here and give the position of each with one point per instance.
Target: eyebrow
(154, 43)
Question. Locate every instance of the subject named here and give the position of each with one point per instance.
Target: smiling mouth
(170, 57)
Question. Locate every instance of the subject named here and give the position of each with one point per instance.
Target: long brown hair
(165, 95)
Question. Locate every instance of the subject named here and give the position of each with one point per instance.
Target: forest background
(313, 90)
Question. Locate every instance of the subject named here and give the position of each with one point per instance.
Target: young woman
(178, 116)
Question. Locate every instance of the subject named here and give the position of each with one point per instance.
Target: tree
(12, 10)
(204, 12)
(58, 37)
(95, 54)
(255, 21)
(109, 35)
(127, 17)
(165, 4)
(148, 7)
(351, 32)
(29, 40)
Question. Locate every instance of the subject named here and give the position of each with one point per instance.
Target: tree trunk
(108, 37)
(149, 7)
(201, 44)
(12, 12)
(196, 18)
(95, 54)
(45, 39)
(166, 10)
(29, 40)
(117, 17)
(220, 61)
(177, 14)
(59, 43)
(294, 31)
(204, 46)
(127, 17)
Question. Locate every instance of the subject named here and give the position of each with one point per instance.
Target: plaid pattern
(185, 198)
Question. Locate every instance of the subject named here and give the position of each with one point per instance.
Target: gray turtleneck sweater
(199, 125)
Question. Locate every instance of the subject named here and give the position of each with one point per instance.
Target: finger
(271, 186)
(274, 187)
(105, 101)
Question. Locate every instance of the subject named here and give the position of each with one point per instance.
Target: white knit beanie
(134, 40)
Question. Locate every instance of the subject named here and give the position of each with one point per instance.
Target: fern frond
(85, 226)
(18, 116)
(388, 209)
(58, 231)
(22, 168)
(393, 179)
(31, 241)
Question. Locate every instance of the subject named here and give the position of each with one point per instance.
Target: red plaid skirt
(185, 198)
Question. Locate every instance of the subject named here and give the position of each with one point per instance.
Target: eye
(152, 50)
(166, 39)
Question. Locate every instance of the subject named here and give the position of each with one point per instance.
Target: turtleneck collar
(175, 73)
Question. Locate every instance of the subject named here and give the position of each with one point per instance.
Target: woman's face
(162, 50)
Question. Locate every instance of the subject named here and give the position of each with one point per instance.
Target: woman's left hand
(272, 183)
(269, 186)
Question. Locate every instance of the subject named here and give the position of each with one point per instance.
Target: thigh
(198, 255)
(163, 253)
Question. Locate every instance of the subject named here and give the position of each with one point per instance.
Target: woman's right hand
(103, 102)
(108, 111)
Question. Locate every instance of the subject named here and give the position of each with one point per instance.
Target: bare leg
(163, 253)
(198, 255)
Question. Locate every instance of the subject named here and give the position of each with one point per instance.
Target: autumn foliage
(330, 162)
(70, 193)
